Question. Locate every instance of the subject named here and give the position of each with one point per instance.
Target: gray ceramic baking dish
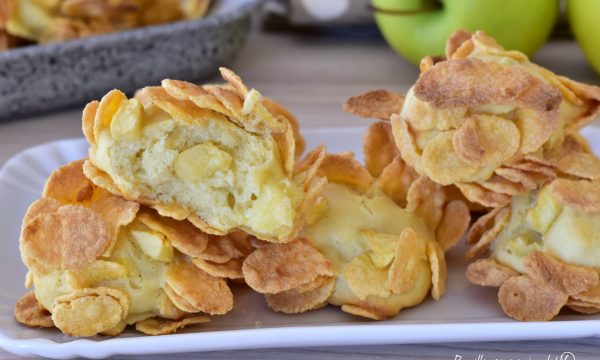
(43, 77)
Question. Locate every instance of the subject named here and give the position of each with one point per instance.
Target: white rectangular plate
(465, 313)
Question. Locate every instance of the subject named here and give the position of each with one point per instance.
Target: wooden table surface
(313, 75)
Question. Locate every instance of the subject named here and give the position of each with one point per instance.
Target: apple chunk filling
(201, 162)
(211, 167)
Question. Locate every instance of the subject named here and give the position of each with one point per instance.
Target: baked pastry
(60, 20)
(362, 250)
(484, 119)
(544, 249)
(220, 156)
(381, 151)
(99, 263)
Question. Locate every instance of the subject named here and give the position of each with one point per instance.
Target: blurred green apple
(417, 28)
(584, 16)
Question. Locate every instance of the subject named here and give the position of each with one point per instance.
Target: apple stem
(431, 7)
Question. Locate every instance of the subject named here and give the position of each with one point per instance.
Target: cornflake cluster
(220, 156)
(45, 21)
(374, 242)
(188, 187)
(100, 263)
(504, 133)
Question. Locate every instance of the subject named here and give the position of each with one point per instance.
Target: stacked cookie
(504, 131)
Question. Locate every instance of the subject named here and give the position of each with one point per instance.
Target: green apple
(584, 16)
(417, 28)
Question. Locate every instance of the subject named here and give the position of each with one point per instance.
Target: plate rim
(289, 336)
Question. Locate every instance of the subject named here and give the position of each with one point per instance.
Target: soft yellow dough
(340, 235)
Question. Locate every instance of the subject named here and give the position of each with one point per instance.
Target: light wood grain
(313, 76)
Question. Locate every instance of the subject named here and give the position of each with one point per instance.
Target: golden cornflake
(85, 236)
(69, 237)
(365, 279)
(275, 268)
(582, 195)
(90, 311)
(379, 147)
(29, 312)
(455, 41)
(197, 288)
(116, 213)
(404, 269)
(435, 254)
(523, 298)
(231, 269)
(453, 224)
(441, 162)
(487, 272)
(366, 312)
(280, 110)
(159, 326)
(592, 295)
(580, 165)
(344, 168)
(68, 184)
(485, 239)
(396, 179)
(167, 309)
(583, 307)
(500, 185)
(220, 250)
(486, 139)
(96, 272)
(477, 194)
(426, 199)
(379, 104)
(568, 279)
(383, 247)
(296, 301)
(518, 176)
(473, 82)
(181, 234)
(405, 139)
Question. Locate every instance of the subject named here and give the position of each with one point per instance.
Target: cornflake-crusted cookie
(374, 243)
(543, 250)
(60, 20)
(220, 156)
(485, 120)
(99, 263)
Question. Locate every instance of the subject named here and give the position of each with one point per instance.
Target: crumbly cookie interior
(539, 222)
(211, 167)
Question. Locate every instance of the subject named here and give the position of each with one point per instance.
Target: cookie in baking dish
(61, 20)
